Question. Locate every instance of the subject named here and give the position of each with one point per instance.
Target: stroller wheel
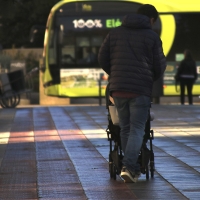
(152, 165)
(111, 169)
(152, 169)
(152, 173)
(10, 99)
(114, 172)
(2, 104)
(147, 171)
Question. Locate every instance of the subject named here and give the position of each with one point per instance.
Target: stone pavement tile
(98, 143)
(156, 188)
(71, 154)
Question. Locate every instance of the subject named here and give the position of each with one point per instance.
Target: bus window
(89, 56)
(52, 48)
(68, 54)
(82, 41)
(97, 41)
(187, 35)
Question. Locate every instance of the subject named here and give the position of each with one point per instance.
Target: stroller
(146, 155)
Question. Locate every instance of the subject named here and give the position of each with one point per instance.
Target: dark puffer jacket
(132, 56)
(187, 69)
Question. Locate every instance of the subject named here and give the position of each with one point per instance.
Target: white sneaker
(128, 176)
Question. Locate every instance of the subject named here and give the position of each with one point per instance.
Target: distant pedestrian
(187, 75)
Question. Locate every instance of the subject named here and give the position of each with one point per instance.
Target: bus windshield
(79, 29)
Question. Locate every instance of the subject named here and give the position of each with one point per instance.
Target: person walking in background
(187, 75)
(132, 56)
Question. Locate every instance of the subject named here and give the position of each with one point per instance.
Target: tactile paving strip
(91, 167)
(57, 177)
(18, 168)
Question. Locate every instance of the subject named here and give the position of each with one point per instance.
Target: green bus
(75, 31)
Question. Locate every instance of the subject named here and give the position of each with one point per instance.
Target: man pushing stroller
(132, 56)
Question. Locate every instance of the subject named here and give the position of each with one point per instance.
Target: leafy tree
(17, 18)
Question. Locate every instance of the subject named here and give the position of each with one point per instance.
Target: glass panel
(52, 47)
(84, 26)
(89, 56)
(187, 35)
(82, 41)
(97, 40)
(86, 8)
(68, 54)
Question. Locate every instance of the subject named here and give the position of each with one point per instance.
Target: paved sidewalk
(55, 153)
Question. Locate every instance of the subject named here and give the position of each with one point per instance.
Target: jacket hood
(137, 21)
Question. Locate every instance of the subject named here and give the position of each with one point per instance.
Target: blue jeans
(133, 113)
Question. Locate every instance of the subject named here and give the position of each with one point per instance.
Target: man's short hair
(148, 10)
